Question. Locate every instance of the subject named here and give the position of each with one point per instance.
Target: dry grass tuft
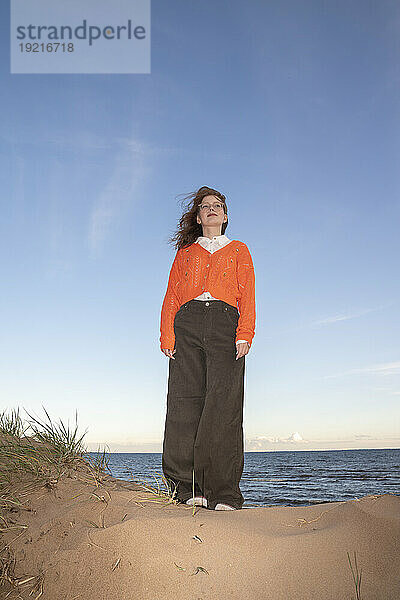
(36, 455)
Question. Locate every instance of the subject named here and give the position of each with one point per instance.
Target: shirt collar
(218, 239)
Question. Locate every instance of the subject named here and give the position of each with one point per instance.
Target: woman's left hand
(242, 348)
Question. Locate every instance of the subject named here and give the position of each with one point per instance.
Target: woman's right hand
(169, 352)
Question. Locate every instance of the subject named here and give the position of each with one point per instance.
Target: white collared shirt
(214, 243)
(211, 245)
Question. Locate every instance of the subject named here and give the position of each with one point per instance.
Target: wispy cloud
(128, 171)
(345, 316)
(386, 390)
(156, 149)
(392, 368)
(329, 320)
(63, 138)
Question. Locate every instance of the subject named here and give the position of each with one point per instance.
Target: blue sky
(291, 109)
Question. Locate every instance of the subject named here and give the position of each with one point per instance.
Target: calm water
(289, 478)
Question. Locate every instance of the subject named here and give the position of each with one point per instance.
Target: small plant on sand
(64, 443)
(11, 424)
(169, 494)
(356, 576)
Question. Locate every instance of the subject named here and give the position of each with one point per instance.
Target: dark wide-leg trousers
(204, 418)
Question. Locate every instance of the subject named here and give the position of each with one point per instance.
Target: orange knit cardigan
(227, 273)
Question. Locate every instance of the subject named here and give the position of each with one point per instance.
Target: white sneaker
(221, 506)
(198, 501)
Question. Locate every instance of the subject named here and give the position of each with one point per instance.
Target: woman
(206, 339)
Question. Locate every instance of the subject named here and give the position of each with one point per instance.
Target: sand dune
(145, 548)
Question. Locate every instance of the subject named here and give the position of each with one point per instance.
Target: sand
(146, 548)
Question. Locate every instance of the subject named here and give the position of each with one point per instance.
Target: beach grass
(37, 454)
(356, 575)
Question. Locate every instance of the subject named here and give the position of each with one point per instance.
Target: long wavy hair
(189, 229)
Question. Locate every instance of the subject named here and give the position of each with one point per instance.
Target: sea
(287, 478)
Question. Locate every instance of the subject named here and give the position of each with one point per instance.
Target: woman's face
(211, 212)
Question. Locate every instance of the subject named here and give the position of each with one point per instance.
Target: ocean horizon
(287, 477)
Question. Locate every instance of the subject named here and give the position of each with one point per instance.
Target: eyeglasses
(217, 206)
